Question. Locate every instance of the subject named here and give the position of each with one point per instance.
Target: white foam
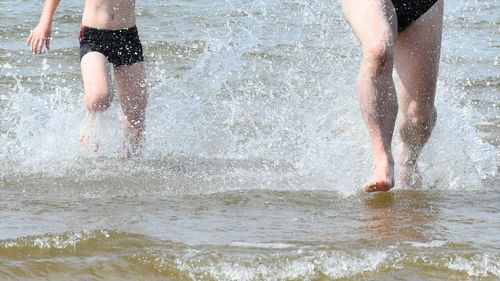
(430, 244)
(285, 266)
(262, 245)
(479, 265)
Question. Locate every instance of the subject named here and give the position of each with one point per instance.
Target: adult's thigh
(374, 23)
(417, 60)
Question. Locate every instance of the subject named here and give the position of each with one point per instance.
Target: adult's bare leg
(417, 63)
(98, 94)
(374, 23)
(130, 80)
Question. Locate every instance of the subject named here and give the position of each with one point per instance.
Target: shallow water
(253, 235)
(254, 155)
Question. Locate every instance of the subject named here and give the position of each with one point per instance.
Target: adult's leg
(417, 63)
(97, 87)
(374, 23)
(130, 80)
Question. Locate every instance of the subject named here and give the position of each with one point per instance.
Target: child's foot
(88, 132)
(382, 178)
(133, 138)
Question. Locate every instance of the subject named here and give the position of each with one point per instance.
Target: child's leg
(97, 87)
(130, 80)
(96, 81)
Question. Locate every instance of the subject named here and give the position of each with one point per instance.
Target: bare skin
(130, 79)
(417, 65)
(414, 53)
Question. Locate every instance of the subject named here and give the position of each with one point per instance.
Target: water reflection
(405, 215)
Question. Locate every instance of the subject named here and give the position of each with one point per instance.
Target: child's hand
(38, 37)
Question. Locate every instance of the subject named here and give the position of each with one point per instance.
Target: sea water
(254, 155)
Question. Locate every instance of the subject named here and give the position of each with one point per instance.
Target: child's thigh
(130, 79)
(130, 74)
(96, 74)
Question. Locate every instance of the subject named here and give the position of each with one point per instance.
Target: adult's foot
(382, 178)
(409, 175)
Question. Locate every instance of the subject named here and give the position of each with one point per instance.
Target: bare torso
(109, 14)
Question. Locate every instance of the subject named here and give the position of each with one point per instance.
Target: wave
(71, 243)
(112, 254)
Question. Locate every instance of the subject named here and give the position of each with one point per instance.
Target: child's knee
(135, 115)
(98, 101)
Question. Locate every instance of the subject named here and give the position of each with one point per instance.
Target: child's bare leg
(130, 80)
(417, 63)
(97, 87)
(374, 24)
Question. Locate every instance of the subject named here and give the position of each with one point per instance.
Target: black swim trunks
(409, 11)
(121, 47)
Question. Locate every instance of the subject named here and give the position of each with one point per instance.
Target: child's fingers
(33, 42)
(39, 46)
(40, 49)
(28, 41)
(32, 39)
(33, 45)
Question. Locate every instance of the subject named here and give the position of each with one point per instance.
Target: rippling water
(254, 155)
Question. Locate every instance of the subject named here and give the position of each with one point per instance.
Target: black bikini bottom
(409, 11)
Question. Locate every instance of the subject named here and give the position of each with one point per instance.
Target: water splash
(254, 81)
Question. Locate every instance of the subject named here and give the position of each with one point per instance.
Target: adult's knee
(417, 123)
(420, 113)
(379, 56)
(98, 101)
